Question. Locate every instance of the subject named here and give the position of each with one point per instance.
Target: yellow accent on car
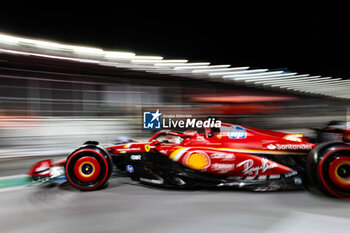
(197, 161)
(172, 155)
(344, 181)
(93, 169)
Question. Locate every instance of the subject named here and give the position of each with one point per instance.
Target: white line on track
(13, 188)
(13, 176)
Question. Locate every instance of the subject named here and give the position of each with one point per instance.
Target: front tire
(328, 169)
(89, 167)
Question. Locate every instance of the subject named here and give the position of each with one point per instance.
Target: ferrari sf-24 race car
(230, 156)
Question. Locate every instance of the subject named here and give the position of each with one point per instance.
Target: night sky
(312, 37)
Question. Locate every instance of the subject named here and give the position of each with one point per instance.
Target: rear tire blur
(322, 172)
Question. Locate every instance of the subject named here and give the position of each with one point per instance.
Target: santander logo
(289, 146)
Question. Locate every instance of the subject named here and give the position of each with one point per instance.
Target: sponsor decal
(129, 168)
(151, 120)
(191, 123)
(222, 167)
(223, 156)
(127, 145)
(271, 147)
(157, 120)
(292, 173)
(147, 148)
(197, 160)
(163, 152)
(128, 150)
(237, 132)
(43, 168)
(294, 137)
(153, 181)
(135, 157)
(274, 177)
(250, 169)
(289, 146)
(56, 172)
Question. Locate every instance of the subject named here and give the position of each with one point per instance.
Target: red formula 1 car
(229, 156)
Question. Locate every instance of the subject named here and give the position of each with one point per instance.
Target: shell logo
(197, 160)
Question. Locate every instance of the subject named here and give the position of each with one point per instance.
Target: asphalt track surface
(125, 206)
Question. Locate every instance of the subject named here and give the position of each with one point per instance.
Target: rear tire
(89, 167)
(328, 169)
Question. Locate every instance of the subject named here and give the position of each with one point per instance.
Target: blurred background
(55, 96)
(64, 80)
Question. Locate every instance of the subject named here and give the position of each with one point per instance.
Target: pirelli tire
(328, 170)
(89, 167)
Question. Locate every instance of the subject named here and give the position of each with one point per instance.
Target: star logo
(156, 115)
(151, 120)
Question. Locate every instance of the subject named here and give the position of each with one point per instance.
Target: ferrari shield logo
(147, 147)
